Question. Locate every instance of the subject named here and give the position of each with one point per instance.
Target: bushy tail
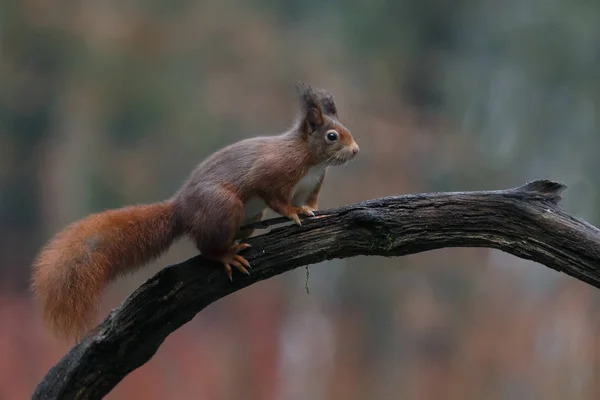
(75, 266)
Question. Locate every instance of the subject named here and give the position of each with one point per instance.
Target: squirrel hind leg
(217, 230)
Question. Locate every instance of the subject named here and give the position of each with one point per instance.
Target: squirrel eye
(332, 136)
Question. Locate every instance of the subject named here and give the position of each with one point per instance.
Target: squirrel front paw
(306, 210)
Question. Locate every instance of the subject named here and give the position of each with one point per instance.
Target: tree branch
(525, 221)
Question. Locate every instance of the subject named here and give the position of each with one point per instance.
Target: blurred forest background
(108, 103)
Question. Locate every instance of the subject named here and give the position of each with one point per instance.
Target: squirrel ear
(314, 119)
(327, 103)
(310, 105)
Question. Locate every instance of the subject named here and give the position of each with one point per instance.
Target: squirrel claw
(231, 258)
(307, 210)
(242, 261)
(239, 247)
(294, 217)
(228, 271)
(239, 262)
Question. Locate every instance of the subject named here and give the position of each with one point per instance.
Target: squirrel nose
(355, 149)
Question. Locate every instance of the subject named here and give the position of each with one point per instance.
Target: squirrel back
(78, 262)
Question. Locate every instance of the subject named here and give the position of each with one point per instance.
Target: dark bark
(524, 221)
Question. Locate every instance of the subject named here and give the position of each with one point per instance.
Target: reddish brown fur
(240, 179)
(73, 268)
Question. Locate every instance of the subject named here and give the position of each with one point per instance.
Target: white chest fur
(300, 193)
(306, 185)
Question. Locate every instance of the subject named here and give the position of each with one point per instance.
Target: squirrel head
(328, 140)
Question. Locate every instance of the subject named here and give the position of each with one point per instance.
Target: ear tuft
(310, 106)
(308, 98)
(327, 102)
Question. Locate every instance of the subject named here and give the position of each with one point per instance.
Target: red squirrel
(231, 188)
